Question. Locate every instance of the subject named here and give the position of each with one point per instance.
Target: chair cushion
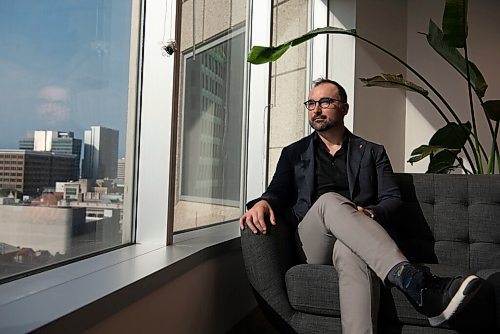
(313, 288)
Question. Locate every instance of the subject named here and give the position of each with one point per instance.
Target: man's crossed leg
(335, 232)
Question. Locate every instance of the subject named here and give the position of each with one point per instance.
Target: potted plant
(456, 136)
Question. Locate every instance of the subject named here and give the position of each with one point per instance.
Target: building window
(211, 110)
(65, 97)
(212, 118)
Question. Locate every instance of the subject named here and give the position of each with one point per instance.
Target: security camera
(169, 48)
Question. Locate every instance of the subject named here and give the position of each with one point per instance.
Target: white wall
(379, 113)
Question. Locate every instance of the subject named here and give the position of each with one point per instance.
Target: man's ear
(346, 108)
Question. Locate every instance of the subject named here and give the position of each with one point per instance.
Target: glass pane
(64, 92)
(211, 109)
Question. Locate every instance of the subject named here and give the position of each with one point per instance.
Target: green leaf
(427, 150)
(265, 54)
(455, 23)
(442, 163)
(325, 30)
(435, 39)
(443, 147)
(393, 81)
(492, 109)
(452, 136)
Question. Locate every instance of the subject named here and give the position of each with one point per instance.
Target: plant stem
(477, 151)
(497, 155)
(494, 147)
(437, 108)
(461, 163)
(452, 112)
(493, 135)
(490, 169)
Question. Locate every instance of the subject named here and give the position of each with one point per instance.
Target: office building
(53, 230)
(59, 142)
(100, 153)
(30, 172)
(120, 171)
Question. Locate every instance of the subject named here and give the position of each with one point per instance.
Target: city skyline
(54, 141)
(30, 135)
(21, 169)
(100, 142)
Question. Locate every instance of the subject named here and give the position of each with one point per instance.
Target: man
(340, 191)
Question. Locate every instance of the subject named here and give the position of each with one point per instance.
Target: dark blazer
(369, 173)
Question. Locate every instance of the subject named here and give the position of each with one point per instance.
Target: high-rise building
(59, 142)
(31, 172)
(100, 153)
(211, 143)
(120, 172)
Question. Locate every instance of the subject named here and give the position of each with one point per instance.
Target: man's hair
(342, 92)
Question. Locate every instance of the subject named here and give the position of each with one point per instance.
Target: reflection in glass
(210, 120)
(212, 124)
(64, 100)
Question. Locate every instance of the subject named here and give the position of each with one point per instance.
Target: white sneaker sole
(460, 298)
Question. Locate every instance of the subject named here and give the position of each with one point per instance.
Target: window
(211, 113)
(216, 124)
(64, 88)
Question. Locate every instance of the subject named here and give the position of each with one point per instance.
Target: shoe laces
(428, 282)
(434, 283)
(415, 283)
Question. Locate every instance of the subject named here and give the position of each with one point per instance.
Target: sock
(408, 279)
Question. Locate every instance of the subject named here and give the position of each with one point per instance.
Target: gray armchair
(449, 222)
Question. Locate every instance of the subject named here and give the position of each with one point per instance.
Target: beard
(323, 126)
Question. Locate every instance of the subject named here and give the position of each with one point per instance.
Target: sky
(64, 66)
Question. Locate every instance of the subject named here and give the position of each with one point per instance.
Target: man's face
(322, 119)
(54, 104)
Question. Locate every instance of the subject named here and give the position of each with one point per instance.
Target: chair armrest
(267, 258)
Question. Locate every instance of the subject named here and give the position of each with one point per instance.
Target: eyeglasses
(324, 102)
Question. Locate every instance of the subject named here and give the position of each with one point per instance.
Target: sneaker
(441, 297)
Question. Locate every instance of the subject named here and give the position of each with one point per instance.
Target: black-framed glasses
(324, 102)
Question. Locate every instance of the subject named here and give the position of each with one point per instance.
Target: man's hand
(367, 212)
(255, 217)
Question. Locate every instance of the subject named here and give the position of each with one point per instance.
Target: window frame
(99, 278)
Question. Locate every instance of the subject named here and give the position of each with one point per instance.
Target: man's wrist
(262, 202)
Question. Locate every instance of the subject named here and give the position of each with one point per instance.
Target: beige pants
(334, 232)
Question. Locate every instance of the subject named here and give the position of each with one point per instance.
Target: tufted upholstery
(455, 219)
(449, 221)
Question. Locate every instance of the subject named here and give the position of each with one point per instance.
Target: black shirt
(330, 172)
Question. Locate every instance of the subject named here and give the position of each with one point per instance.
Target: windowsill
(123, 275)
